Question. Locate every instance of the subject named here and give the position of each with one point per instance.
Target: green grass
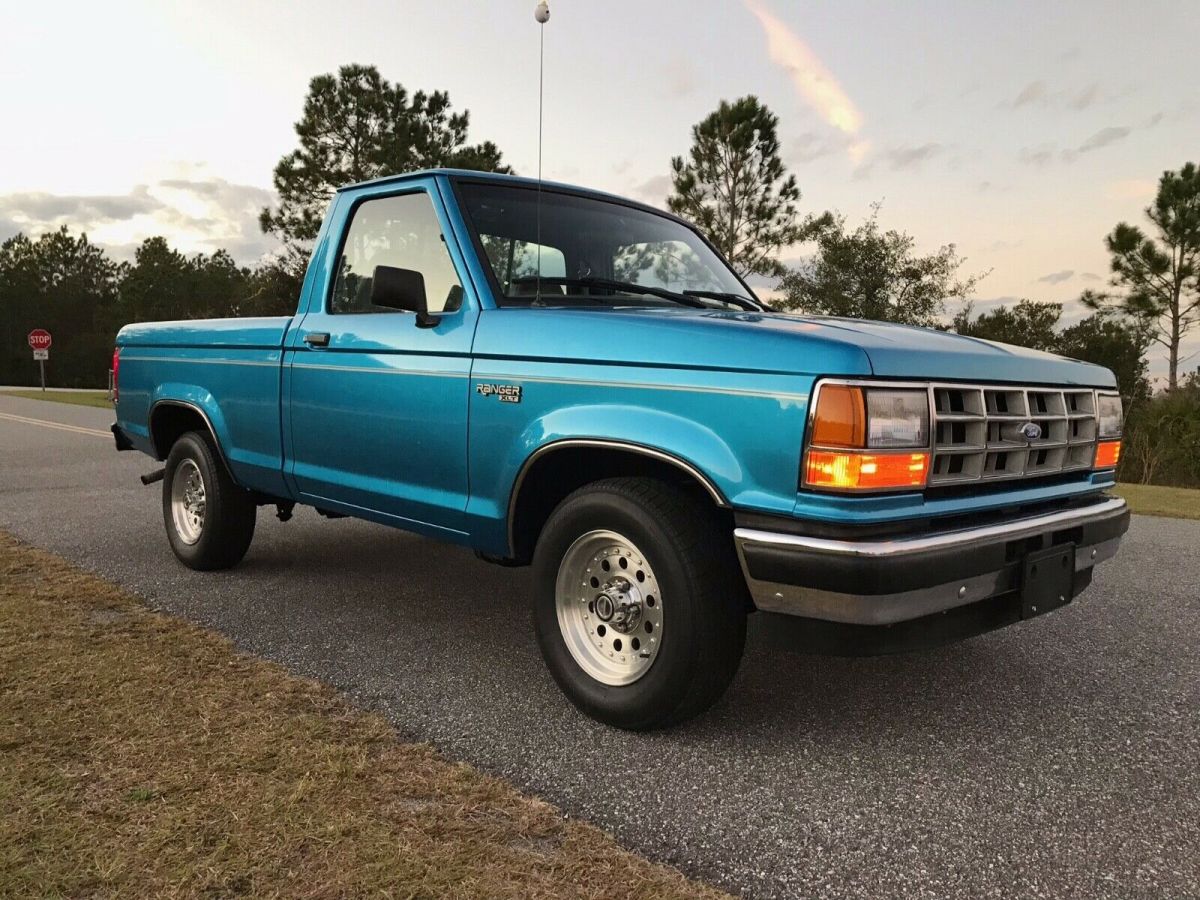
(144, 757)
(1157, 500)
(76, 398)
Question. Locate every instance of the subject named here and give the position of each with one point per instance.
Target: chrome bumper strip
(880, 549)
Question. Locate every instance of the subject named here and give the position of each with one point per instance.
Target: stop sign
(39, 339)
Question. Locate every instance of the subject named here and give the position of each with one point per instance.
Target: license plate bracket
(1048, 580)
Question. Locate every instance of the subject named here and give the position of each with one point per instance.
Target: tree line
(732, 183)
(66, 284)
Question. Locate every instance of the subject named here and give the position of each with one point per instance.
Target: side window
(666, 264)
(398, 231)
(515, 263)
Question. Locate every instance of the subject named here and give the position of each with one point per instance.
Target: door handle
(317, 339)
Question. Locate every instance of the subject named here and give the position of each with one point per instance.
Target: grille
(977, 432)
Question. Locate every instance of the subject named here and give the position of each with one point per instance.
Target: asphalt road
(1058, 758)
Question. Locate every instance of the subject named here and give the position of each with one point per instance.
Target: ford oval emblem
(1031, 431)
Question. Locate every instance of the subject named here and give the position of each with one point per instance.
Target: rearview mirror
(395, 288)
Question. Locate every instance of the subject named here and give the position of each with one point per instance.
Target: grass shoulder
(1159, 500)
(146, 757)
(75, 398)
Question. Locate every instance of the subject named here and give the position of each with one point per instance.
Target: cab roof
(500, 178)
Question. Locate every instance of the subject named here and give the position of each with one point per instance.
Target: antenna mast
(541, 13)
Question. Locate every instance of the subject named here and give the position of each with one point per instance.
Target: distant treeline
(69, 286)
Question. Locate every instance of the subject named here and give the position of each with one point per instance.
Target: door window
(403, 232)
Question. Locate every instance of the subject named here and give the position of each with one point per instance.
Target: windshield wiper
(735, 299)
(608, 284)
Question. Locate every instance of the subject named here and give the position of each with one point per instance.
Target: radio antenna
(541, 13)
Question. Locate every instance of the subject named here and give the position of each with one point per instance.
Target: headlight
(867, 438)
(1109, 415)
(1109, 418)
(897, 418)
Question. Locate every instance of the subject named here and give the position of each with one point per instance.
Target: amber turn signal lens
(1108, 454)
(865, 471)
(841, 417)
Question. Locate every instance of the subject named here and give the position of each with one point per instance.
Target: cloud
(1090, 276)
(863, 171)
(1041, 155)
(197, 215)
(812, 80)
(654, 190)
(57, 210)
(1104, 137)
(913, 157)
(1033, 93)
(903, 157)
(1038, 94)
(996, 246)
(1058, 277)
(1044, 154)
(810, 146)
(1084, 98)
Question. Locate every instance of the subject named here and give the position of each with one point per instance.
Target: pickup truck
(565, 379)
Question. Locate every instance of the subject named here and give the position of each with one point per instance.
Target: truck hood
(908, 351)
(772, 342)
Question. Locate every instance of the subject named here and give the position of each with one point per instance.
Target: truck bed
(229, 369)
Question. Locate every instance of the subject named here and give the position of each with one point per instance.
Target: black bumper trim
(121, 438)
(871, 576)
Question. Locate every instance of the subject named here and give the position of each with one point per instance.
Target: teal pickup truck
(565, 379)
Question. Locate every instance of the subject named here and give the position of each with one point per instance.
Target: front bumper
(883, 581)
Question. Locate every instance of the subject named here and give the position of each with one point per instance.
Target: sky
(1021, 132)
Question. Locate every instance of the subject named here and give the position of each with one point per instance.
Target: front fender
(696, 446)
(734, 444)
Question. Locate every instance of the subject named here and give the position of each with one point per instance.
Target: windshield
(592, 251)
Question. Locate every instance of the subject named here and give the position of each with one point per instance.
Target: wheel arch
(558, 468)
(170, 419)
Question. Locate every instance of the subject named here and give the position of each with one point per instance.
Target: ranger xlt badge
(508, 393)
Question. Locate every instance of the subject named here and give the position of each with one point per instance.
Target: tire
(219, 536)
(600, 557)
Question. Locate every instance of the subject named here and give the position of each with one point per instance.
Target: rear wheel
(209, 519)
(639, 607)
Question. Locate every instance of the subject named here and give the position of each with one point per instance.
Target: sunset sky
(1021, 132)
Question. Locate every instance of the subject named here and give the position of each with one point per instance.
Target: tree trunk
(1173, 374)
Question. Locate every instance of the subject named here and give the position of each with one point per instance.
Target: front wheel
(209, 519)
(639, 606)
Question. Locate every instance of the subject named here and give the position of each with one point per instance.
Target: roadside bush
(1162, 439)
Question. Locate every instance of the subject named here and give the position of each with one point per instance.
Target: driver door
(378, 405)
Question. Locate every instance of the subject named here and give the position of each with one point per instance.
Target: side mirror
(395, 288)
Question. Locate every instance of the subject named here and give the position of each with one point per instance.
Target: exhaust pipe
(154, 476)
